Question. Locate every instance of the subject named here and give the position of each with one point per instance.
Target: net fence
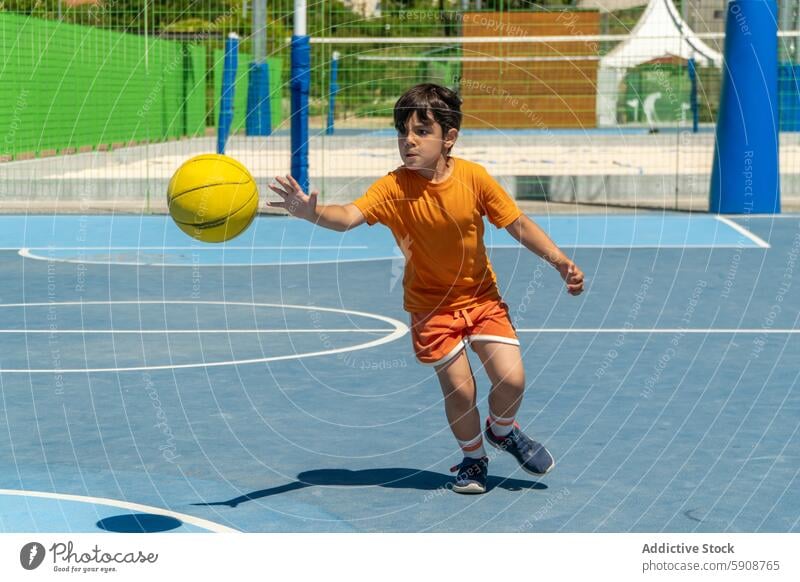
(103, 99)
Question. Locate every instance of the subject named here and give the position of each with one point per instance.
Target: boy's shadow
(393, 478)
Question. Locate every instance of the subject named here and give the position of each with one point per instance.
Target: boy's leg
(503, 364)
(438, 341)
(458, 389)
(493, 337)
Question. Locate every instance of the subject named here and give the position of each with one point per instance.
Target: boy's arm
(304, 206)
(338, 217)
(536, 240)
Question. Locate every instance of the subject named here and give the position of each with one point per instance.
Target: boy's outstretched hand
(572, 276)
(295, 201)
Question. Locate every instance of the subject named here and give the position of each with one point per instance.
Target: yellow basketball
(212, 198)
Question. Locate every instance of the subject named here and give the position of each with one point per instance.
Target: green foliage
(501, 5)
(127, 14)
(324, 17)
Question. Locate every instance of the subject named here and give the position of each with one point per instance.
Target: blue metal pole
(230, 64)
(259, 110)
(300, 87)
(332, 94)
(745, 177)
(693, 95)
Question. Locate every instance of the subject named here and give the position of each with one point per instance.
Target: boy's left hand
(572, 276)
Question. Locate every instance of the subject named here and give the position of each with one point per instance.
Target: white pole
(259, 31)
(796, 41)
(785, 15)
(300, 18)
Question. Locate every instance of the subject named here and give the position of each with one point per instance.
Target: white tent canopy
(660, 32)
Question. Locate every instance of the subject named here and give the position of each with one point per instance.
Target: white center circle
(399, 329)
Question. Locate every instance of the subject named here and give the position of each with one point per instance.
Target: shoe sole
(528, 471)
(469, 488)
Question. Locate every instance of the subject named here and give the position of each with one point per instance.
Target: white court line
(26, 254)
(169, 331)
(654, 330)
(400, 329)
(196, 521)
(742, 230)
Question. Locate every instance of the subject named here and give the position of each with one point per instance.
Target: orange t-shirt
(440, 231)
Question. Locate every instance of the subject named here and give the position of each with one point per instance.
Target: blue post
(746, 173)
(693, 95)
(230, 64)
(300, 86)
(332, 93)
(259, 111)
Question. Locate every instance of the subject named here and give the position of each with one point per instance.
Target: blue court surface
(152, 383)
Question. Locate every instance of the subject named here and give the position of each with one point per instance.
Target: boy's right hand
(572, 276)
(295, 201)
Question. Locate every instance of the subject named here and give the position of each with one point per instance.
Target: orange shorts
(440, 337)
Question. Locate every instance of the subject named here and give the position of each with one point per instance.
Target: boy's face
(422, 144)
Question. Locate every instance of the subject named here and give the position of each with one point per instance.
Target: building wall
(548, 92)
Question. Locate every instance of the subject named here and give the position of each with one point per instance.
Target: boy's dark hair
(441, 102)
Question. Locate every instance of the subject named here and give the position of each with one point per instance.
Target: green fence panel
(69, 86)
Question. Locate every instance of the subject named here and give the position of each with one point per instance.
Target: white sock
(473, 448)
(499, 426)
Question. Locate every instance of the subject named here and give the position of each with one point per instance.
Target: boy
(433, 205)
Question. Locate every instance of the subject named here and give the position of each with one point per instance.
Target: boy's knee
(459, 388)
(512, 383)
